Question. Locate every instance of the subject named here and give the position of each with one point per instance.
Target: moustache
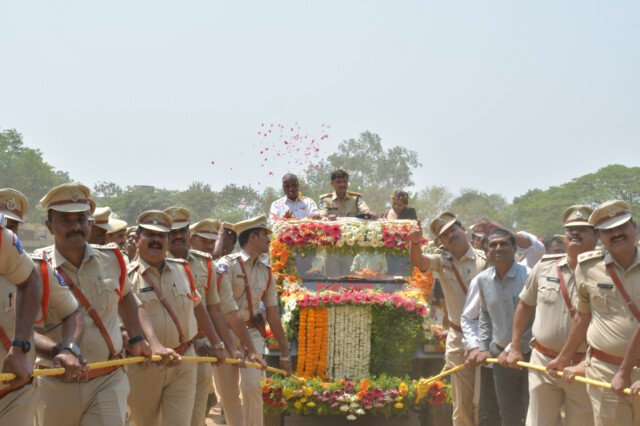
(74, 233)
(154, 245)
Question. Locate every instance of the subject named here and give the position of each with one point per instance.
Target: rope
(424, 384)
(138, 359)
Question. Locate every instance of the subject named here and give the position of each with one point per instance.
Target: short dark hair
(289, 176)
(243, 238)
(501, 232)
(402, 195)
(550, 240)
(50, 215)
(339, 174)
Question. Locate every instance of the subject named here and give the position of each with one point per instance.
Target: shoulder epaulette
(38, 255)
(201, 253)
(175, 259)
(595, 254)
(357, 194)
(328, 194)
(132, 267)
(232, 256)
(553, 256)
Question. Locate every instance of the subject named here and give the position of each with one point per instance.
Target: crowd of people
(168, 287)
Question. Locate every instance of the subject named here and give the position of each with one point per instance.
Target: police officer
(456, 267)
(100, 225)
(17, 397)
(96, 275)
(203, 272)
(608, 290)
(342, 202)
(550, 292)
(247, 280)
(118, 232)
(167, 292)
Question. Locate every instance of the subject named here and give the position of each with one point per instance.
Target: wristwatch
(25, 345)
(73, 348)
(219, 345)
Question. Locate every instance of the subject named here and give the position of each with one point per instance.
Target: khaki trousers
(247, 412)
(609, 409)
(101, 401)
(547, 396)
(162, 395)
(18, 408)
(204, 377)
(462, 382)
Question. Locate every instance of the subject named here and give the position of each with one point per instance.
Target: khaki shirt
(612, 323)
(552, 318)
(205, 285)
(172, 281)
(232, 287)
(469, 265)
(15, 265)
(352, 205)
(99, 279)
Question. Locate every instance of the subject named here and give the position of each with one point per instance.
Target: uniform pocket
(107, 295)
(548, 294)
(602, 302)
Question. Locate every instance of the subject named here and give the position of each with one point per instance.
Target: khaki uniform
(352, 205)
(551, 329)
(17, 407)
(610, 330)
(206, 286)
(233, 298)
(462, 383)
(164, 395)
(102, 400)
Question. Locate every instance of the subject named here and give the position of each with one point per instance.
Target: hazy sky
(498, 96)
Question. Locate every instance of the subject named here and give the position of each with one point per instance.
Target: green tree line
(375, 172)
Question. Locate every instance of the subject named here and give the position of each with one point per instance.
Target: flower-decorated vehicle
(356, 313)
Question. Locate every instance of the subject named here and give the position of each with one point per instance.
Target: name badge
(146, 289)
(553, 279)
(608, 286)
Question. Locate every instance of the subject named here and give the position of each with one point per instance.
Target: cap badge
(74, 196)
(612, 212)
(578, 214)
(155, 220)
(11, 204)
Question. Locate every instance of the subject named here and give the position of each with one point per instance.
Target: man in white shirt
(293, 204)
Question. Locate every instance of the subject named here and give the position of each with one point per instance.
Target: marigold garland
(312, 342)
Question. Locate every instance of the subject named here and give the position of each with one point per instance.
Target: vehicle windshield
(336, 265)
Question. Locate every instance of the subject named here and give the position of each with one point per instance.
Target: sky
(500, 96)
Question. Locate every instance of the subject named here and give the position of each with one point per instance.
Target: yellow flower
(398, 399)
(311, 404)
(288, 393)
(403, 389)
(306, 391)
(297, 405)
(303, 400)
(399, 405)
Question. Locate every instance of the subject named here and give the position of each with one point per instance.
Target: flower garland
(437, 393)
(312, 342)
(351, 344)
(378, 396)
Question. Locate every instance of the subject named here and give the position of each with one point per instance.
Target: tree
(24, 169)
(373, 171)
(472, 204)
(430, 201)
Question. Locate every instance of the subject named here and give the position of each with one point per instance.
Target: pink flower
(315, 301)
(421, 310)
(337, 298)
(409, 305)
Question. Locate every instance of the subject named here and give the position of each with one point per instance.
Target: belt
(6, 391)
(92, 374)
(455, 327)
(184, 347)
(578, 357)
(611, 359)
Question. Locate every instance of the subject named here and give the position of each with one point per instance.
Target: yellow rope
(138, 359)
(579, 379)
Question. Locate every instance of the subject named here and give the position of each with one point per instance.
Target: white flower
(344, 408)
(360, 412)
(351, 417)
